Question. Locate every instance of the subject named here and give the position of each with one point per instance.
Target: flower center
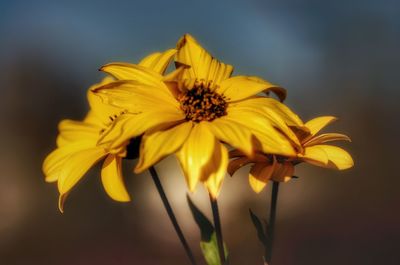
(202, 104)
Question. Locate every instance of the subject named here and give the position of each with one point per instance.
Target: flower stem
(218, 230)
(171, 214)
(271, 223)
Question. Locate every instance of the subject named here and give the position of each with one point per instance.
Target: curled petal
(111, 177)
(127, 71)
(158, 61)
(327, 137)
(237, 163)
(315, 125)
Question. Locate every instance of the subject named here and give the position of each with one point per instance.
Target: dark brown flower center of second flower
(202, 104)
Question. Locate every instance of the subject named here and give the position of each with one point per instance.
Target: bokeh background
(334, 57)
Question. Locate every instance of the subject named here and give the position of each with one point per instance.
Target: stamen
(202, 104)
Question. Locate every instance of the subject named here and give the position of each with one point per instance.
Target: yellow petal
(55, 161)
(159, 144)
(101, 113)
(215, 169)
(327, 137)
(111, 177)
(337, 157)
(137, 97)
(229, 131)
(271, 140)
(128, 126)
(202, 65)
(158, 61)
(195, 153)
(236, 164)
(260, 174)
(127, 71)
(283, 172)
(241, 87)
(278, 123)
(74, 131)
(76, 165)
(282, 110)
(315, 125)
(315, 155)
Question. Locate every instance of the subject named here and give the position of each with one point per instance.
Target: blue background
(334, 57)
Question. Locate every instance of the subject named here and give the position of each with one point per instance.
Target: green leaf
(206, 227)
(210, 251)
(259, 227)
(208, 244)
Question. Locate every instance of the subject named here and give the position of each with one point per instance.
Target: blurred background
(334, 57)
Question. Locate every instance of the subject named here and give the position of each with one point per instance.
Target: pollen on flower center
(202, 104)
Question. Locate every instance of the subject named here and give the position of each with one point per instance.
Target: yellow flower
(194, 111)
(77, 151)
(313, 150)
(77, 144)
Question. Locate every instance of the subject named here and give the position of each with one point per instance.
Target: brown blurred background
(335, 58)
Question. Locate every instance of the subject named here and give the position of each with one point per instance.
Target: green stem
(171, 214)
(218, 230)
(271, 223)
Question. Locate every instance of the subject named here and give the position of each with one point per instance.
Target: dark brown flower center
(202, 104)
